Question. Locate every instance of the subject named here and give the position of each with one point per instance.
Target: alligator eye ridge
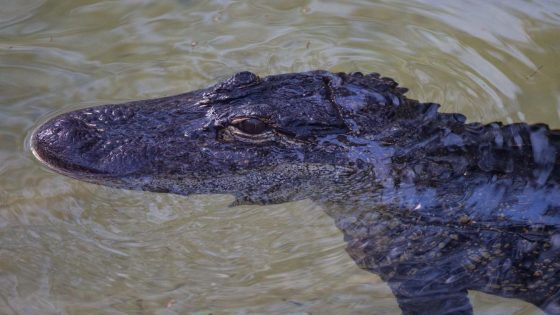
(252, 126)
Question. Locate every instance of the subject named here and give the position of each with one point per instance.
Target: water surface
(68, 247)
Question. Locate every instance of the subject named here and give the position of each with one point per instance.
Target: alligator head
(263, 139)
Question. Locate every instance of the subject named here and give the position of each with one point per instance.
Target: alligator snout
(72, 145)
(58, 141)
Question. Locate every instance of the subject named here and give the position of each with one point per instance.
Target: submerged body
(434, 205)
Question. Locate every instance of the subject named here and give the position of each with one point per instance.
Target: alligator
(431, 203)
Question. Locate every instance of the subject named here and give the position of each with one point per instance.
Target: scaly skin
(434, 205)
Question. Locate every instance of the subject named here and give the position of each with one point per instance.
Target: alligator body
(434, 205)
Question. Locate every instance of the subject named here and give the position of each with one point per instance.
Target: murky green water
(68, 247)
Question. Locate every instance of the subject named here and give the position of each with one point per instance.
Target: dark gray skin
(432, 204)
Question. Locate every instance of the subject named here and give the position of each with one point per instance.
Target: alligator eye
(252, 126)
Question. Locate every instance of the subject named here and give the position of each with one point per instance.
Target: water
(68, 247)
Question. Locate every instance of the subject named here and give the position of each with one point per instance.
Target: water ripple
(74, 248)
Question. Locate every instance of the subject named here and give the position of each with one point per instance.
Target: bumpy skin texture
(434, 205)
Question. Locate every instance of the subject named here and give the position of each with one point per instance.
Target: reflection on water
(70, 247)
